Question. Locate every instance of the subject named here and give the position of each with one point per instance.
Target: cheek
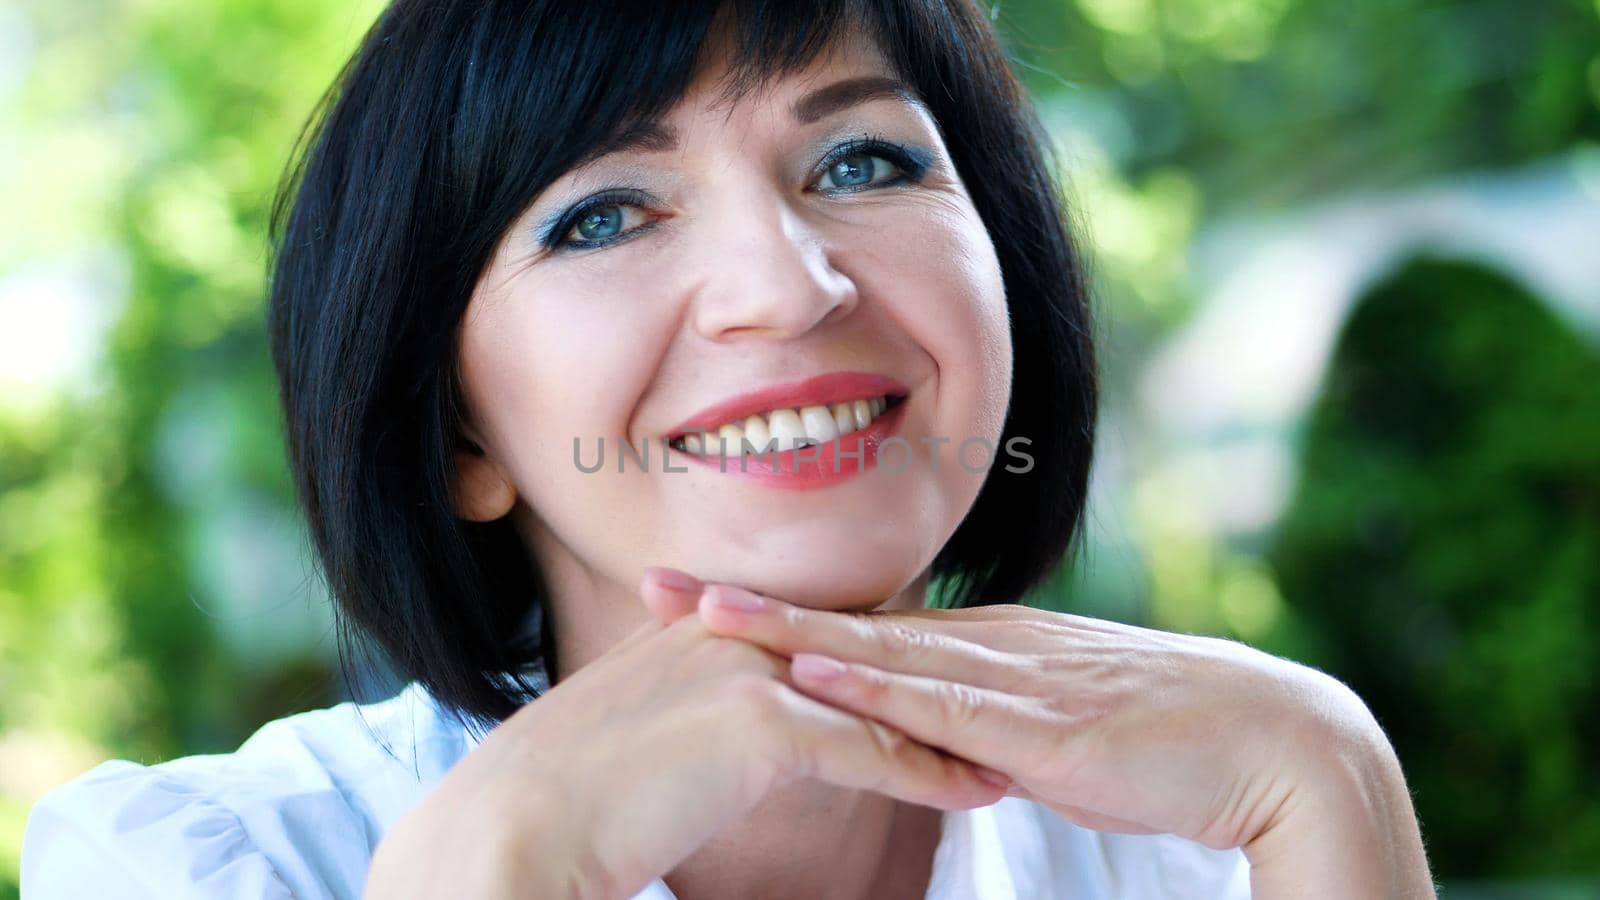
(941, 282)
(556, 360)
(553, 361)
(988, 343)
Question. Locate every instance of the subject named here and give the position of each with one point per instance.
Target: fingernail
(811, 667)
(990, 776)
(674, 580)
(736, 600)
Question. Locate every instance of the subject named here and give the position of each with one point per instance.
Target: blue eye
(857, 170)
(871, 161)
(856, 165)
(600, 223)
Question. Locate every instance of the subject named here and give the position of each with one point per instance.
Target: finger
(992, 612)
(959, 620)
(990, 728)
(914, 646)
(832, 745)
(970, 620)
(669, 594)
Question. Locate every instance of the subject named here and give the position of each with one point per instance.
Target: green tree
(1444, 551)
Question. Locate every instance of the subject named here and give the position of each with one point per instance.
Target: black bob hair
(447, 122)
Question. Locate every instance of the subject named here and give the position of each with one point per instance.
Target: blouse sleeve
(192, 829)
(124, 830)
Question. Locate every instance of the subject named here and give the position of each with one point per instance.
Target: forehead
(848, 72)
(726, 76)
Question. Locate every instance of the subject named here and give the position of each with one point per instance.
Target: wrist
(432, 852)
(535, 852)
(1347, 827)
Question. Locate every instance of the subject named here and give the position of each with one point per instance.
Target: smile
(787, 429)
(797, 436)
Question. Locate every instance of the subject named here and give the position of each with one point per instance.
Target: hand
(623, 769)
(1115, 727)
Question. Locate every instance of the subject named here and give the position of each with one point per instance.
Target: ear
(483, 488)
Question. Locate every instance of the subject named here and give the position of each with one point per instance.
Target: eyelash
(911, 162)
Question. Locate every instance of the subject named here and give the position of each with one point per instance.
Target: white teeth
(863, 413)
(843, 418)
(785, 429)
(819, 423)
(756, 432)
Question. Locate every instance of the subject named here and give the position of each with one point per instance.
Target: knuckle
(1069, 713)
(892, 744)
(763, 720)
(897, 639)
(792, 618)
(960, 704)
(869, 687)
(754, 695)
(779, 732)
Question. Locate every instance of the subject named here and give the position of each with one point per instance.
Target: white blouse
(298, 809)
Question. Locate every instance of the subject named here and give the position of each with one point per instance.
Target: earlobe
(483, 490)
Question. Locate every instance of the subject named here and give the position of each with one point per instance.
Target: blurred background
(1347, 264)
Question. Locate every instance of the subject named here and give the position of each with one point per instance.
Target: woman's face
(744, 255)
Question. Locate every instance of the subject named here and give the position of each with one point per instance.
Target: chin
(844, 580)
(839, 559)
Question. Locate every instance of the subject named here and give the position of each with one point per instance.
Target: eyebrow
(842, 95)
(655, 137)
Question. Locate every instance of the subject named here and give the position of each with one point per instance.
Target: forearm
(1350, 832)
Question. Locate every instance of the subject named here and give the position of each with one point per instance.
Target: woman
(802, 270)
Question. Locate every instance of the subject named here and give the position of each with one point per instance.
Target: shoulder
(1049, 856)
(296, 811)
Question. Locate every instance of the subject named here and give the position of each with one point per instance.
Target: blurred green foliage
(158, 130)
(1443, 559)
(144, 140)
(1200, 109)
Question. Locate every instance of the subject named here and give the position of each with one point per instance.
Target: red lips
(822, 390)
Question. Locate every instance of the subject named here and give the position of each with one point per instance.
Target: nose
(769, 275)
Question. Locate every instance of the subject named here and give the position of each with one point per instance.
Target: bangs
(597, 73)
